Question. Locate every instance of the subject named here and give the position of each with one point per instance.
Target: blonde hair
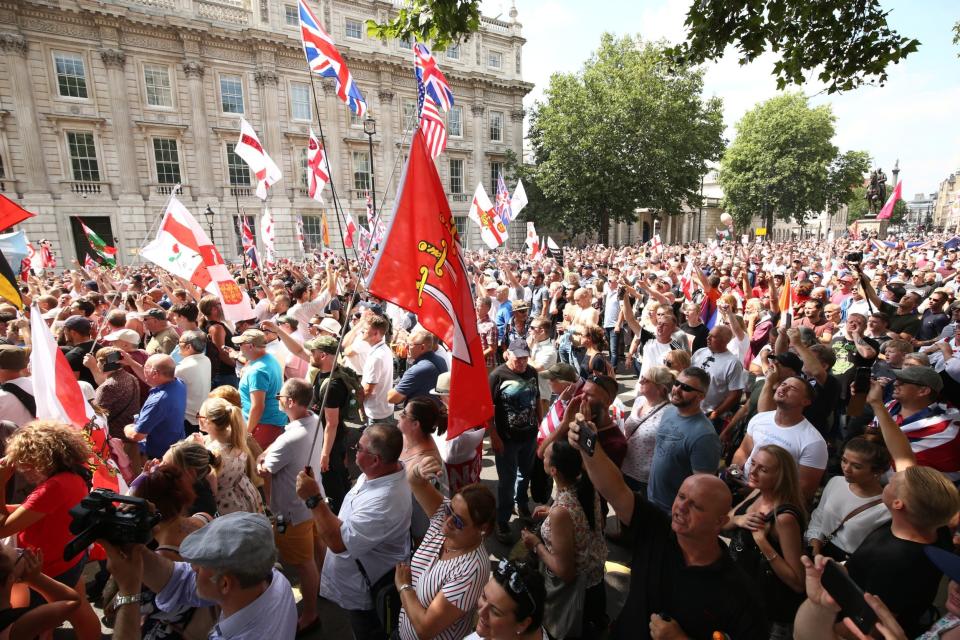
(194, 457)
(787, 490)
(931, 499)
(681, 360)
(661, 376)
(226, 417)
(228, 393)
(50, 447)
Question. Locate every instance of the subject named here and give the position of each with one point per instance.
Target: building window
(238, 229)
(455, 122)
(157, 81)
(167, 159)
(406, 43)
(300, 102)
(290, 15)
(231, 94)
(71, 77)
(304, 158)
(461, 222)
(83, 156)
(409, 114)
(494, 59)
(453, 52)
(496, 168)
(355, 120)
(456, 175)
(361, 170)
(237, 169)
(312, 232)
(353, 28)
(496, 126)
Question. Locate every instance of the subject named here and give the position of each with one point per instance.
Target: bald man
(727, 378)
(160, 422)
(684, 583)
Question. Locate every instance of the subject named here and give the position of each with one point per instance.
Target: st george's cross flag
(183, 248)
(421, 269)
(492, 230)
(317, 176)
(267, 233)
(891, 202)
(350, 231)
(324, 59)
(251, 151)
(300, 233)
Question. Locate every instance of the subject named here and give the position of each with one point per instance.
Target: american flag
(300, 233)
(502, 206)
(430, 77)
(432, 127)
(324, 59)
(317, 176)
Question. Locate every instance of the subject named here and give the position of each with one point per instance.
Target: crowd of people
(736, 417)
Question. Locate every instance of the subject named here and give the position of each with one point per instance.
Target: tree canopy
(630, 130)
(783, 163)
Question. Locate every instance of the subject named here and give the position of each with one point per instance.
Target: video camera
(98, 518)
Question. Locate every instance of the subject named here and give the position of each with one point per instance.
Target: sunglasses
(509, 576)
(685, 387)
(448, 512)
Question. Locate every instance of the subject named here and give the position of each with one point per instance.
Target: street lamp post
(208, 213)
(370, 128)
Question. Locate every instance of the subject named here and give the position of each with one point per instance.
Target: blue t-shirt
(161, 417)
(421, 378)
(504, 316)
(685, 444)
(263, 374)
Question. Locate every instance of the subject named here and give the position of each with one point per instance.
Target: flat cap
(238, 542)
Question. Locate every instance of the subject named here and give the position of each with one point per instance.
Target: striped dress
(460, 579)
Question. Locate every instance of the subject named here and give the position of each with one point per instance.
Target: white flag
(492, 230)
(317, 175)
(266, 232)
(250, 149)
(518, 201)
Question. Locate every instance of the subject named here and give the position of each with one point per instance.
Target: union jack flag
(324, 59)
(502, 206)
(317, 176)
(249, 243)
(433, 129)
(431, 79)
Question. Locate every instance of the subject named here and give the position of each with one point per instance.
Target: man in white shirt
(726, 374)
(787, 428)
(194, 372)
(15, 381)
(377, 375)
(309, 302)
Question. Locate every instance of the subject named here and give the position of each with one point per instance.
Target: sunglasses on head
(448, 512)
(510, 577)
(685, 387)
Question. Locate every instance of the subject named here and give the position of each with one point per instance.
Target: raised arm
(896, 440)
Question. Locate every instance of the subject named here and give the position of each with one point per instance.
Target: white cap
(123, 335)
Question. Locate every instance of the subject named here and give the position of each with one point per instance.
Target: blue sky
(915, 116)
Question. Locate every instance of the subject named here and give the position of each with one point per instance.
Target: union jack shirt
(933, 435)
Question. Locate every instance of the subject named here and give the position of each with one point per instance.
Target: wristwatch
(119, 600)
(313, 501)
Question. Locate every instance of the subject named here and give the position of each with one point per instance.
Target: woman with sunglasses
(640, 427)
(511, 605)
(440, 587)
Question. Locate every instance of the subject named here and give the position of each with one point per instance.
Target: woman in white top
(511, 605)
(851, 506)
(640, 427)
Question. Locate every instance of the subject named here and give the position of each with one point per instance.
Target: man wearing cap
(845, 291)
(421, 376)
(78, 334)
(332, 392)
(519, 323)
(228, 563)
(163, 337)
(17, 403)
(259, 385)
(904, 319)
(543, 355)
(377, 375)
(516, 400)
(160, 422)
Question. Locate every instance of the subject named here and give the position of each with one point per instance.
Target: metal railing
(85, 187)
(459, 197)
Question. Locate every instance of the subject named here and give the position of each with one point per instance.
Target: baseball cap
(560, 371)
(606, 383)
(253, 336)
(897, 290)
(373, 306)
(78, 323)
(327, 344)
(519, 348)
(947, 562)
(238, 542)
(123, 335)
(443, 385)
(156, 314)
(330, 326)
(520, 305)
(790, 360)
(924, 376)
(13, 358)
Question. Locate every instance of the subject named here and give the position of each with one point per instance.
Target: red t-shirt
(54, 497)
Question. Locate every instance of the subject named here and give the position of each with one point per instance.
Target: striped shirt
(461, 580)
(934, 435)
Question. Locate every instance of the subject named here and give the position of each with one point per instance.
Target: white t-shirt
(378, 370)
(726, 374)
(653, 353)
(802, 440)
(194, 372)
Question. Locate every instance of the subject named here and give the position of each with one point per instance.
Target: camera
(98, 518)
(854, 258)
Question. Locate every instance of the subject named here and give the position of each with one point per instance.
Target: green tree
(845, 42)
(629, 130)
(783, 164)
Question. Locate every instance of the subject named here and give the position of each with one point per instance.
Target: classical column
(114, 60)
(516, 117)
(267, 80)
(386, 129)
(14, 47)
(479, 133)
(193, 69)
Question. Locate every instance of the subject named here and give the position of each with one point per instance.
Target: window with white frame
(406, 43)
(83, 156)
(496, 168)
(496, 126)
(290, 15)
(494, 59)
(231, 94)
(300, 101)
(455, 122)
(156, 79)
(353, 28)
(312, 232)
(237, 170)
(361, 170)
(453, 52)
(355, 120)
(71, 75)
(409, 114)
(304, 159)
(456, 175)
(167, 159)
(461, 222)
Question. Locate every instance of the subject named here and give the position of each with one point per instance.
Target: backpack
(353, 412)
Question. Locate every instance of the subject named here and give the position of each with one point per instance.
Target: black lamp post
(370, 128)
(208, 213)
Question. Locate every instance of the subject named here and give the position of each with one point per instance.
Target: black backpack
(353, 412)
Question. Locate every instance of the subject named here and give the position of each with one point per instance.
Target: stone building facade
(105, 106)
